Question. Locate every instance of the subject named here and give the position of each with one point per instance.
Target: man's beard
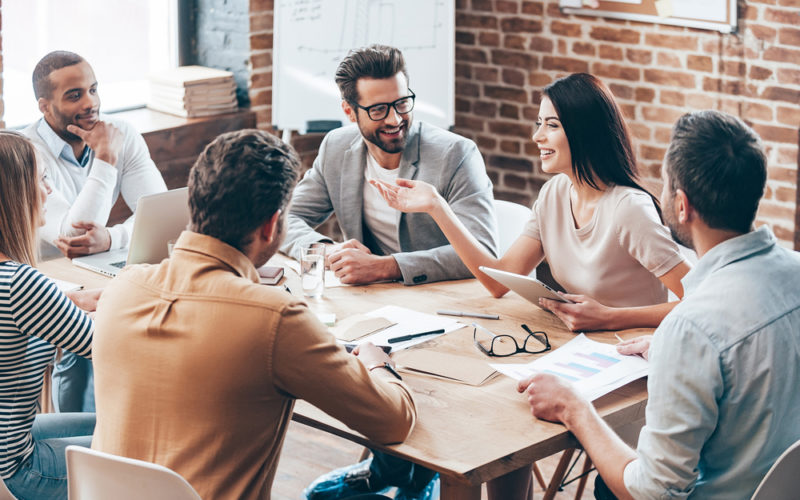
(679, 233)
(280, 234)
(393, 146)
(62, 121)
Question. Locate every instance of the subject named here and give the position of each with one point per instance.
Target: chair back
(782, 479)
(511, 219)
(4, 493)
(94, 475)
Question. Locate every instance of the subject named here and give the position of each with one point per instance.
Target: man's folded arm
(93, 203)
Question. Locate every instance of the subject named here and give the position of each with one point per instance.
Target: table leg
(455, 490)
(558, 474)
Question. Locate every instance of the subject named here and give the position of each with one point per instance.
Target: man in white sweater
(89, 159)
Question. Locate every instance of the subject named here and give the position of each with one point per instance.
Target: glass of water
(312, 270)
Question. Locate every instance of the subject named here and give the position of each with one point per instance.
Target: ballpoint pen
(403, 338)
(468, 314)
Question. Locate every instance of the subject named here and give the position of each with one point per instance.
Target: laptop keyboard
(119, 264)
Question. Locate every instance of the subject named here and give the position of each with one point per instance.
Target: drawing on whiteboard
(312, 36)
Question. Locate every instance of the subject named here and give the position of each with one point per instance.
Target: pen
(403, 338)
(468, 314)
(619, 338)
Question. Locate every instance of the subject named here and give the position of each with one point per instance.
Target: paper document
(407, 322)
(594, 368)
(66, 286)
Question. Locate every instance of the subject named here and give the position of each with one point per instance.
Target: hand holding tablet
(529, 288)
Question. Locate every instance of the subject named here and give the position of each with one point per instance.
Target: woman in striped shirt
(35, 319)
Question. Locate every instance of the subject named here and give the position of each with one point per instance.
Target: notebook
(159, 218)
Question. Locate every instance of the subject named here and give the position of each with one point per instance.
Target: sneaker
(348, 481)
(429, 492)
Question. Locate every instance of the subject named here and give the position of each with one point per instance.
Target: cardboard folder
(463, 369)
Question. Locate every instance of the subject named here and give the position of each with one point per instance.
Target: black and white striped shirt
(35, 318)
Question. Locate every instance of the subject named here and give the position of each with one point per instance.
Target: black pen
(403, 338)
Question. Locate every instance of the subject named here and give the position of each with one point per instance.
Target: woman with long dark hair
(35, 319)
(600, 231)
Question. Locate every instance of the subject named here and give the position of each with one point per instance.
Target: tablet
(527, 287)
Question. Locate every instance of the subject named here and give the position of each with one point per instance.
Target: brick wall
(2, 107)
(223, 40)
(507, 50)
(261, 61)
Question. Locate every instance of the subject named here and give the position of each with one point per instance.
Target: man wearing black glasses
(380, 243)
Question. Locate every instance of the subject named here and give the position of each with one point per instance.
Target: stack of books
(192, 91)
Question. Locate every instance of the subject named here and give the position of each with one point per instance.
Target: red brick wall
(2, 106)
(507, 50)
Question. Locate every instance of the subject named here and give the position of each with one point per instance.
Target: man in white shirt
(89, 161)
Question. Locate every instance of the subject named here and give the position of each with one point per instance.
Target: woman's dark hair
(599, 140)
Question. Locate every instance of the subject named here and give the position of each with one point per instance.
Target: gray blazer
(335, 184)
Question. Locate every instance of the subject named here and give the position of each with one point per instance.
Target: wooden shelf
(175, 142)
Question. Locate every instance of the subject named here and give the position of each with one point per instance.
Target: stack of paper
(594, 368)
(192, 91)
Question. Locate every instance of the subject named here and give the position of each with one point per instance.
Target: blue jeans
(44, 473)
(395, 471)
(73, 384)
(601, 490)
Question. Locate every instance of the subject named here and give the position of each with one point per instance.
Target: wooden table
(468, 434)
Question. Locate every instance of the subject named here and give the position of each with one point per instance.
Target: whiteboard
(718, 15)
(311, 37)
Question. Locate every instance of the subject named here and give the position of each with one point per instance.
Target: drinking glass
(312, 270)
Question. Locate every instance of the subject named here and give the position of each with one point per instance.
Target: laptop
(528, 288)
(159, 218)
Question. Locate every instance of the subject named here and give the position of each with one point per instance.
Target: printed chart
(593, 367)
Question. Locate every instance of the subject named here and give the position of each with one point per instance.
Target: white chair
(4, 493)
(94, 475)
(511, 219)
(782, 479)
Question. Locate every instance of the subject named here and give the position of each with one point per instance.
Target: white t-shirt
(617, 257)
(379, 217)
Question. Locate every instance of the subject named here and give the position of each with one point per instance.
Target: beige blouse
(617, 257)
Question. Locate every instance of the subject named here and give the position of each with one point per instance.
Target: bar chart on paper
(583, 365)
(593, 367)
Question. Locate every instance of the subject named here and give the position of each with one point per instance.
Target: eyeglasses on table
(504, 345)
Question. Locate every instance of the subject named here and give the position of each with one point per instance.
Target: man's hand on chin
(103, 138)
(357, 266)
(95, 239)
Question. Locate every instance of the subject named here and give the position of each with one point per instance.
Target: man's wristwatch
(387, 366)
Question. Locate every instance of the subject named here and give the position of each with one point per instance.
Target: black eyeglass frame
(531, 334)
(389, 105)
